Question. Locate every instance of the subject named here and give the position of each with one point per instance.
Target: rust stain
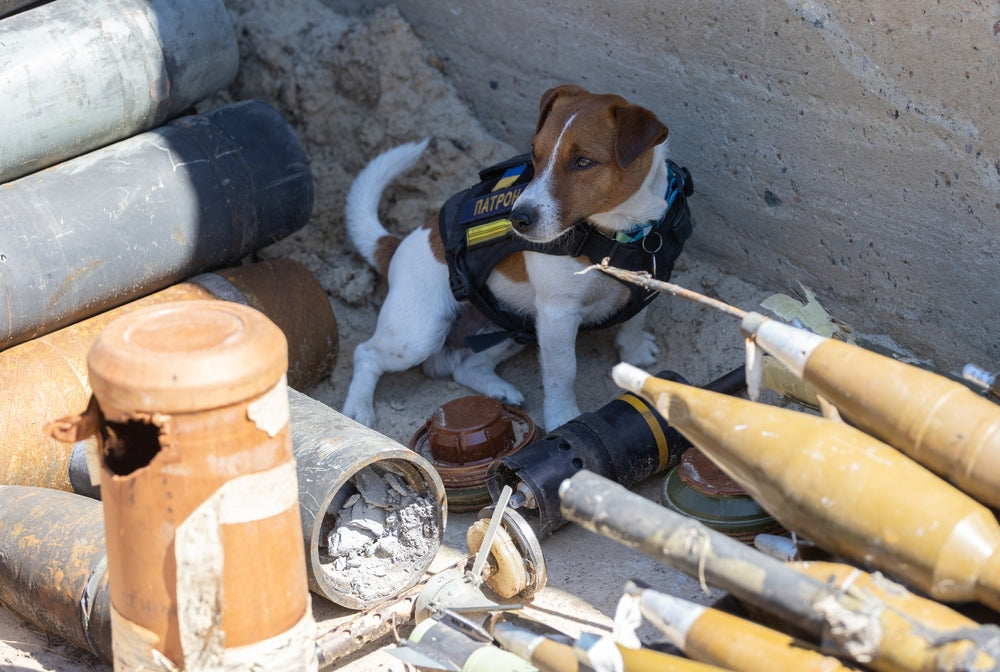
(74, 277)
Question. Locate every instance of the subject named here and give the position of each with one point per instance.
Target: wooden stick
(643, 279)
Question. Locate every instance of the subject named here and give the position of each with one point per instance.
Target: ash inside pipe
(382, 533)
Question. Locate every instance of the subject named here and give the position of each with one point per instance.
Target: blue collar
(675, 183)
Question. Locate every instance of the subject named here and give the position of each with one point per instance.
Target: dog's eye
(582, 163)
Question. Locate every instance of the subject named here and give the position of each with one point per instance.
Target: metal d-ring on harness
(477, 236)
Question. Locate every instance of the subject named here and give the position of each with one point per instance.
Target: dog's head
(592, 155)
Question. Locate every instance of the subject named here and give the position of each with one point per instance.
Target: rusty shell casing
(46, 377)
(199, 489)
(845, 490)
(717, 638)
(53, 569)
(938, 422)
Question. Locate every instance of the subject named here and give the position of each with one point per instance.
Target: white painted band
(134, 647)
(200, 556)
(671, 615)
(270, 411)
(789, 345)
(629, 377)
(294, 650)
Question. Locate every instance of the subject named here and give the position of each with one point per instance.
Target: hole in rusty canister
(129, 446)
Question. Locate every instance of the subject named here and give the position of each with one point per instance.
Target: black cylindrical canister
(625, 440)
(132, 218)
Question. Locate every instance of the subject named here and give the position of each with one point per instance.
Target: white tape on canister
(200, 557)
(134, 647)
(290, 651)
(270, 411)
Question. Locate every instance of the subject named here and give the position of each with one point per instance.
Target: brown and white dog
(597, 158)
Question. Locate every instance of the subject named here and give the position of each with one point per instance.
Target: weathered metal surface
(79, 75)
(47, 376)
(53, 566)
(103, 229)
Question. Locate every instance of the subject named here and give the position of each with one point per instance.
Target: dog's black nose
(522, 219)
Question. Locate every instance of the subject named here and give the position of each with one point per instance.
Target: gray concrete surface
(853, 147)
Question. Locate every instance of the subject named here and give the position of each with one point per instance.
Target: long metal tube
(132, 218)
(78, 75)
(49, 373)
(53, 564)
(330, 452)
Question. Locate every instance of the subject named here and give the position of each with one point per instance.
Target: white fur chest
(554, 283)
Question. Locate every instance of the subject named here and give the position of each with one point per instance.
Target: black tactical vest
(477, 235)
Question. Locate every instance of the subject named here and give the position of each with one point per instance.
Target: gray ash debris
(380, 535)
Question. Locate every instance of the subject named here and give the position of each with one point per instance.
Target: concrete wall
(850, 146)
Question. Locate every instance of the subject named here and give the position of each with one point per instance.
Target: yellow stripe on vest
(484, 233)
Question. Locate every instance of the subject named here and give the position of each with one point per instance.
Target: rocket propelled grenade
(842, 488)
(717, 638)
(886, 635)
(938, 422)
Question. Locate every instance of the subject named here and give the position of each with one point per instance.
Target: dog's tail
(369, 237)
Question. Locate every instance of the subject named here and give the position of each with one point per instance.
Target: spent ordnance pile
(896, 476)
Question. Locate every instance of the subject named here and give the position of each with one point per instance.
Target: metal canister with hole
(199, 487)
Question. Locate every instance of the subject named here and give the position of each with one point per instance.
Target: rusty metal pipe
(53, 566)
(47, 376)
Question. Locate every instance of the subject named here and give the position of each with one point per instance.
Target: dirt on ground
(352, 87)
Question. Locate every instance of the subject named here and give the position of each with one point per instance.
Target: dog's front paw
(503, 391)
(638, 350)
(363, 413)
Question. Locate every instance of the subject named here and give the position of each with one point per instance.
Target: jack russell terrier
(597, 185)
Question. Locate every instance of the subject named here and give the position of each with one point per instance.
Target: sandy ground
(351, 88)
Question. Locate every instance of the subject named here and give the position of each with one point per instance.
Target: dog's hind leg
(412, 324)
(478, 371)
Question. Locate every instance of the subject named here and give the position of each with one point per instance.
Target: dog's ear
(638, 130)
(549, 99)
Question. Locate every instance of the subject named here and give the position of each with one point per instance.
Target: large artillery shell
(845, 490)
(199, 193)
(938, 422)
(382, 505)
(46, 378)
(80, 75)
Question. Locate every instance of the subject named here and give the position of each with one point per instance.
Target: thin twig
(644, 279)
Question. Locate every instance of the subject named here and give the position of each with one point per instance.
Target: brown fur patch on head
(603, 156)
